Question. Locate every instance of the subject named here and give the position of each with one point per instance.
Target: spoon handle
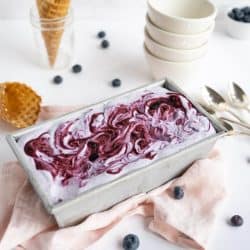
(239, 133)
(236, 116)
(235, 122)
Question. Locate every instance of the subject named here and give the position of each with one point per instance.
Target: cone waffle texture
(52, 31)
(19, 104)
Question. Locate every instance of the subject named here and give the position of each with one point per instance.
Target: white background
(227, 60)
(83, 8)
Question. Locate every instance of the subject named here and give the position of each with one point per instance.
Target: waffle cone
(19, 104)
(52, 32)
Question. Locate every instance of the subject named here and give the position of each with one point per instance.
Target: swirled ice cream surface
(111, 140)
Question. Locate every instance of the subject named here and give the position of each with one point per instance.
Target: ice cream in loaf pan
(110, 140)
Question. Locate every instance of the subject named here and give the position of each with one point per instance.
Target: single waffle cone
(52, 31)
(19, 104)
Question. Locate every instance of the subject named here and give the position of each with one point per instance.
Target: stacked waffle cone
(52, 31)
(19, 104)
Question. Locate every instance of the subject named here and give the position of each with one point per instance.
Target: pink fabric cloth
(24, 224)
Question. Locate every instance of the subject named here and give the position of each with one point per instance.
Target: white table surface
(227, 60)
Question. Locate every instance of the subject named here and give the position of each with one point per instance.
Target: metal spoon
(215, 100)
(238, 97)
(225, 124)
(231, 130)
(224, 119)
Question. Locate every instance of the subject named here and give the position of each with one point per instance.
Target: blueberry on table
(57, 79)
(105, 44)
(130, 242)
(116, 82)
(178, 192)
(236, 221)
(101, 34)
(77, 68)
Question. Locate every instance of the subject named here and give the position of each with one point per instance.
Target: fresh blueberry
(231, 14)
(236, 10)
(131, 242)
(246, 10)
(178, 192)
(237, 14)
(105, 44)
(116, 82)
(58, 79)
(236, 221)
(246, 18)
(101, 34)
(240, 15)
(77, 68)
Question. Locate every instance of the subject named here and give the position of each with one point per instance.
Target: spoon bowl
(213, 112)
(218, 103)
(238, 97)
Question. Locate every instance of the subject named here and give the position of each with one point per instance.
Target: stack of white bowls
(176, 36)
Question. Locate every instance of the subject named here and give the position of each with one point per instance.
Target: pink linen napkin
(24, 224)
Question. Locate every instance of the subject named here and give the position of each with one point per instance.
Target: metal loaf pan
(135, 182)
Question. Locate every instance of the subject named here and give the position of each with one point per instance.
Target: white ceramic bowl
(175, 55)
(182, 16)
(236, 29)
(178, 71)
(178, 41)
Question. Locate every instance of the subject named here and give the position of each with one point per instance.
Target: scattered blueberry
(240, 14)
(77, 68)
(236, 221)
(131, 242)
(105, 44)
(178, 193)
(101, 34)
(116, 82)
(58, 79)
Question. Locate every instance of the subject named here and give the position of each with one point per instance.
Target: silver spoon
(216, 101)
(231, 130)
(225, 124)
(221, 118)
(238, 97)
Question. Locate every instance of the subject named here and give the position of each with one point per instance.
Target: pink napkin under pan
(24, 224)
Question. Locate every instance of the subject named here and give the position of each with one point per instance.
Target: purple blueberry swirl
(108, 141)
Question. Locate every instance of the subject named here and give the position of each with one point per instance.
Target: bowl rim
(156, 58)
(154, 26)
(186, 19)
(163, 47)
